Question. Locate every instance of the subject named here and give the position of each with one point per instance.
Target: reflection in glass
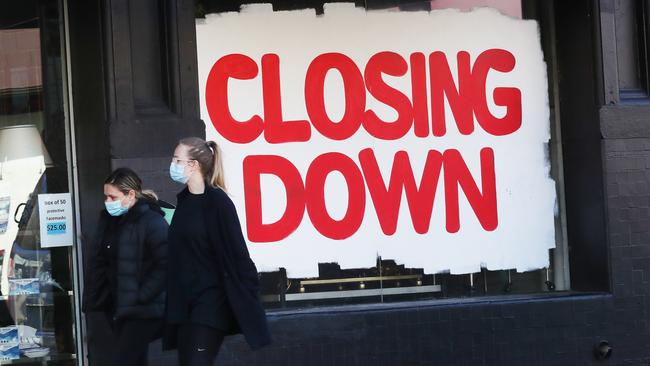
(36, 295)
(23, 158)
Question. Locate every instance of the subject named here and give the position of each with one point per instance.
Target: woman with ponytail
(126, 273)
(213, 288)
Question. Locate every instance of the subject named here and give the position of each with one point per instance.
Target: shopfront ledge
(277, 314)
(625, 120)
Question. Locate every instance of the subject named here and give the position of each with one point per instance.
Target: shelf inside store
(39, 360)
(41, 294)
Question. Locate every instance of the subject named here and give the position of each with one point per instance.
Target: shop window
(632, 48)
(389, 280)
(37, 311)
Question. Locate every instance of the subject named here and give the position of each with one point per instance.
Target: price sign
(56, 228)
(55, 213)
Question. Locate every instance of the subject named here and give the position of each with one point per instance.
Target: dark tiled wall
(552, 331)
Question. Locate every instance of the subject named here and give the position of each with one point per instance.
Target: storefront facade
(117, 83)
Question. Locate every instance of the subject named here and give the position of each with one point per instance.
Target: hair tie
(209, 147)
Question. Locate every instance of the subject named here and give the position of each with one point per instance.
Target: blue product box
(4, 214)
(24, 286)
(10, 351)
(9, 334)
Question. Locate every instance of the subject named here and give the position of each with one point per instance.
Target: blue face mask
(114, 208)
(177, 173)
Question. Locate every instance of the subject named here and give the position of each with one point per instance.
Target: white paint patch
(525, 193)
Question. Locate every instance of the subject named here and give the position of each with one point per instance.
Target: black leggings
(133, 338)
(198, 345)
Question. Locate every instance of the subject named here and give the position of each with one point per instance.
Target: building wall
(606, 162)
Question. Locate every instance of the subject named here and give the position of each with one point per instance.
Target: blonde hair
(125, 180)
(208, 154)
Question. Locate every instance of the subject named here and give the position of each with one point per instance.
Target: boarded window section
(389, 280)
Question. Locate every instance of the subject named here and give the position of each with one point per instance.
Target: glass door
(37, 292)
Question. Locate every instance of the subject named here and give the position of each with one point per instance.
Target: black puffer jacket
(127, 270)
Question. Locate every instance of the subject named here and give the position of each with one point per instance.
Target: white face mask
(177, 173)
(115, 208)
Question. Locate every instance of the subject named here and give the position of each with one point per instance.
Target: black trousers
(198, 345)
(132, 341)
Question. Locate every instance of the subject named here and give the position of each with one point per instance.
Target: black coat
(140, 271)
(239, 272)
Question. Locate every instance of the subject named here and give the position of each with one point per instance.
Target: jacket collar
(137, 210)
(186, 192)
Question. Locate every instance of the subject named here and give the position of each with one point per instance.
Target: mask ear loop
(124, 200)
(135, 198)
(190, 165)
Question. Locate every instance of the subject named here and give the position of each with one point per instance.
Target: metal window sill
(276, 314)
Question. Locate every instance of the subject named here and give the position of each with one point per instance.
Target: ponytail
(149, 195)
(217, 179)
(208, 154)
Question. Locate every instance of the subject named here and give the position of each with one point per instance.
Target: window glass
(36, 291)
(389, 280)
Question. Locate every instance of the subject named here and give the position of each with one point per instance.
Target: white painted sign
(418, 136)
(55, 214)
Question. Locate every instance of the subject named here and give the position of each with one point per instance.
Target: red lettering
(419, 91)
(256, 165)
(276, 130)
(502, 61)
(466, 97)
(484, 202)
(315, 188)
(392, 64)
(387, 201)
(354, 91)
(443, 85)
(386, 198)
(239, 67)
